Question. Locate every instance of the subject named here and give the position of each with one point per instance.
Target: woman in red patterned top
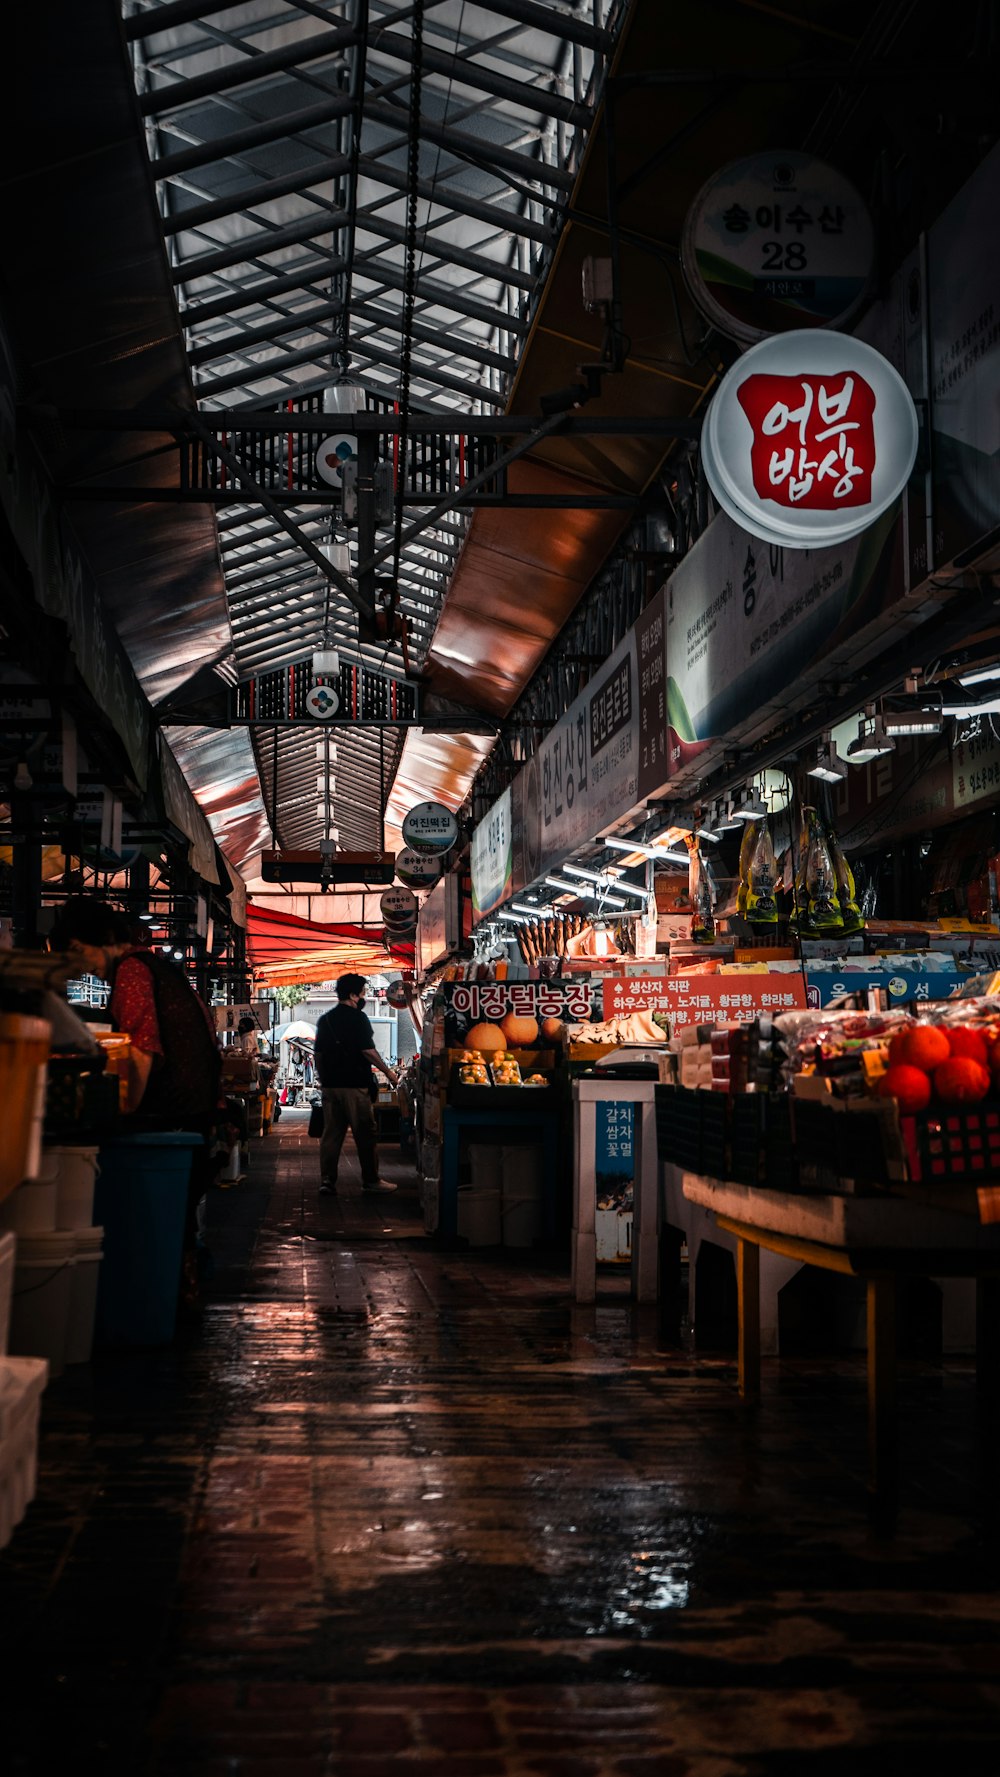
(173, 1057)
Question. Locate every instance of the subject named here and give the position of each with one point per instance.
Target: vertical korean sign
(492, 858)
(605, 756)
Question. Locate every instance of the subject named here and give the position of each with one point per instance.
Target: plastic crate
(760, 1140)
(22, 1380)
(692, 1129)
(846, 1142)
(957, 1145)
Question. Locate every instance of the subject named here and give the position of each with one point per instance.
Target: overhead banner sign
(809, 439)
(774, 242)
(602, 758)
(492, 858)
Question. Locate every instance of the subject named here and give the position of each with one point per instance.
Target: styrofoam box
(22, 1380)
(8, 1250)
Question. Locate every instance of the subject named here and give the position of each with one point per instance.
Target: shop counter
(877, 1239)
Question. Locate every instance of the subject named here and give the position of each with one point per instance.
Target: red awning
(284, 949)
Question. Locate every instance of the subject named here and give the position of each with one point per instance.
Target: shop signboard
(777, 241)
(975, 763)
(602, 759)
(333, 454)
(730, 999)
(520, 1008)
(491, 858)
(747, 622)
(622, 995)
(438, 931)
(417, 870)
(399, 908)
(430, 827)
(899, 986)
(614, 1177)
(963, 296)
(809, 439)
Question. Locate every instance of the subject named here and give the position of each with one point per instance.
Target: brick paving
(395, 1509)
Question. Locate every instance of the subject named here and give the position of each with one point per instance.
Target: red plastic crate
(956, 1144)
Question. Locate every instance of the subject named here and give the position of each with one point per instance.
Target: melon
(485, 1037)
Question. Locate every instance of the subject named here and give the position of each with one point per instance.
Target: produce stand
(878, 1240)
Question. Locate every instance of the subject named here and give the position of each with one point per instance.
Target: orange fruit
(519, 1032)
(925, 1046)
(964, 1041)
(961, 1081)
(485, 1037)
(909, 1085)
(553, 1030)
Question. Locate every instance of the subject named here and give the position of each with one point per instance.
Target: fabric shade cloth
(284, 949)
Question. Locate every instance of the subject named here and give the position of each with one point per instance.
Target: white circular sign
(430, 827)
(809, 438)
(399, 907)
(395, 994)
(418, 870)
(332, 454)
(322, 701)
(776, 242)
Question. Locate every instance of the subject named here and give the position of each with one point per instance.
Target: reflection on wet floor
(393, 1508)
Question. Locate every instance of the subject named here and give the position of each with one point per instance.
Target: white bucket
(76, 1171)
(31, 1209)
(83, 1297)
(43, 1290)
(479, 1215)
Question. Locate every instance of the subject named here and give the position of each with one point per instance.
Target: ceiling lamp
(928, 719)
(344, 396)
(747, 805)
(605, 881)
(829, 768)
(980, 675)
(872, 742)
(326, 749)
(325, 784)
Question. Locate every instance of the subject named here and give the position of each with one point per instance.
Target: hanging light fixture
(344, 396)
(829, 767)
(871, 741)
(326, 749)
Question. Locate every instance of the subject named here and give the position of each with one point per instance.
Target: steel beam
(272, 129)
(179, 93)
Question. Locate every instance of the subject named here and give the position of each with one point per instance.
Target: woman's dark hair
(246, 1024)
(89, 922)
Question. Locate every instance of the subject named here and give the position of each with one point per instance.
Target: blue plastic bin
(140, 1200)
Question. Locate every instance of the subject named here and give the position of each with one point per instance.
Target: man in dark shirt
(345, 1055)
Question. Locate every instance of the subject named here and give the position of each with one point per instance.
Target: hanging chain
(409, 276)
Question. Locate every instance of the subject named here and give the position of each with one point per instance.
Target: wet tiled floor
(393, 1509)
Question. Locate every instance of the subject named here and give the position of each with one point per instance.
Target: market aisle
(399, 1510)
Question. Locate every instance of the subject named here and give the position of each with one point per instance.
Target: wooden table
(874, 1238)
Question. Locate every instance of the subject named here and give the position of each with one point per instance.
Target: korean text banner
(492, 858)
(515, 1006)
(605, 756)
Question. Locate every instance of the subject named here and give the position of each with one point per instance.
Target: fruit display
(924, 1064)
(506, 1071)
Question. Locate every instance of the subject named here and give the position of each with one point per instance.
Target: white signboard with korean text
(430, 827)
(491, 858)
(417, 870)
(399, 908)
(810, 437)
(975, 763)
(602, 759)
(777, 241)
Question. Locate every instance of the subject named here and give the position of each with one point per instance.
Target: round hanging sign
(774, 242)
(809, 438)
(395, 994)
(332, 454)
(399, 907)
(430, 827)
(418, 870)
(322, 701)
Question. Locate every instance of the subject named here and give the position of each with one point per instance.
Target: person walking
(345, 1054)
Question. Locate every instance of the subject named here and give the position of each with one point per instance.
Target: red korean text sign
(729, 999)
(813, 440)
